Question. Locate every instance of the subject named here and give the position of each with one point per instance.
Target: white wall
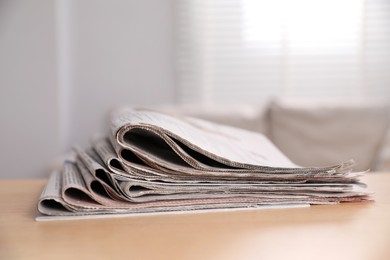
(121, 54)
(64, 64)
(29, 134)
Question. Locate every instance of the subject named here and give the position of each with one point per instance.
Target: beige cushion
(383, 158)
(319, 133)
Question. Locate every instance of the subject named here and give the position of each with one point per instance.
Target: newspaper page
(196, 144)
(226, 144)
(152, 163)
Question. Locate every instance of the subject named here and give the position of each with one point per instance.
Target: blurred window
(246, 51)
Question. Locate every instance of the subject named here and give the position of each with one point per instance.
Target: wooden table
(346, 231)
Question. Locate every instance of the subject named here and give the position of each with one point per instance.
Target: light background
(64, 64)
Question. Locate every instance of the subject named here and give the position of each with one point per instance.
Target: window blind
(246, 51)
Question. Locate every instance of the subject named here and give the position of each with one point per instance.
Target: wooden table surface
(345, 231)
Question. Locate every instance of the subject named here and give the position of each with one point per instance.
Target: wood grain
(345, 231)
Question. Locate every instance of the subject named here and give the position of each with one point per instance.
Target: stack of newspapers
(152, 162)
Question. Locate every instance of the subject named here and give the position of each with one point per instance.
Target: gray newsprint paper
(155, 163)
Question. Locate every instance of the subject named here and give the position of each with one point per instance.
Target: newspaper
(152, 162)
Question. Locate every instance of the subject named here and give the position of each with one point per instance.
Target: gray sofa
(312, 132)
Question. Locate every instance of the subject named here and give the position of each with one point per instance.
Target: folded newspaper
(158, 163)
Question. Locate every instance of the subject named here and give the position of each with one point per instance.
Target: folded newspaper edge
(154, 163)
